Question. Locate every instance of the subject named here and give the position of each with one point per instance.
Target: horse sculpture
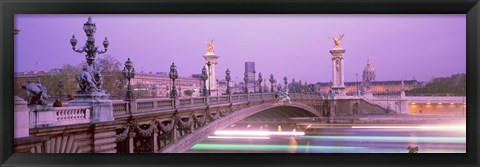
(36, 93)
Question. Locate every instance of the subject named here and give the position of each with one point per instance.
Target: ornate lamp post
(173, 76)
(254, 83)
(260, 79)
(272, 80)
(96, 81)
(204, 77)
(90, 49)
(245, 78)
(227, 77)
(209, 64)
(285, 81)
(129, 73)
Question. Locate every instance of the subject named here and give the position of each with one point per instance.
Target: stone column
(403, 100)
(212, 78)
(338, 73)
(21, 118)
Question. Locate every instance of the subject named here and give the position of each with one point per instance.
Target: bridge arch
(200, 134)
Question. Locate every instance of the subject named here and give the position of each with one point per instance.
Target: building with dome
(369, 83)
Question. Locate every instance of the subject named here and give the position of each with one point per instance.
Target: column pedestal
(21, 118)
(102, 108)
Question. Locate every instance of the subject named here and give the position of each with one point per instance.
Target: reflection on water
(334, 139)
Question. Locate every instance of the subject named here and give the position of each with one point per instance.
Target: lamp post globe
(89, 27)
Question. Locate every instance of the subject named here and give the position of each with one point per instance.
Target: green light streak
(263, 147)
(391, 138)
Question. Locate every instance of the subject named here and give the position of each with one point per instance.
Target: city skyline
(296, 46)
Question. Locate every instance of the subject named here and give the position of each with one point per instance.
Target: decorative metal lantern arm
(102, 51)
(73, 42)
(105, 45)
(79, 50)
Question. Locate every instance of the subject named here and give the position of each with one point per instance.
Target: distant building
(369, 80)
(250, 70)
(159, 84)
(147, 84)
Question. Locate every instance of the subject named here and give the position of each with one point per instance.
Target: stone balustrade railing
(154, 105)
(437, 99)
(120, 108)
(54, 116)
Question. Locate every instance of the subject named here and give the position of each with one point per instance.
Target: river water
(335, 138)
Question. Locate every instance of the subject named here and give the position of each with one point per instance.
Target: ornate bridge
(176, 125)
(156, 125)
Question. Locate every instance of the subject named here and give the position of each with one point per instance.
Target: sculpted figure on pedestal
(36, 93)
(210, 46)
(337, 40)
(86, 80)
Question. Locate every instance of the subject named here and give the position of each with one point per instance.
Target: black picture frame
(9, 8)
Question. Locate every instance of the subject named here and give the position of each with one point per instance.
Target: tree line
(454, 85)
(114, 82)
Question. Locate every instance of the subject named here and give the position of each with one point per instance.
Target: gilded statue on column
(337, 40)
(210, 46)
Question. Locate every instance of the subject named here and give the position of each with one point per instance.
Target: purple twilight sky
(400, 46)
